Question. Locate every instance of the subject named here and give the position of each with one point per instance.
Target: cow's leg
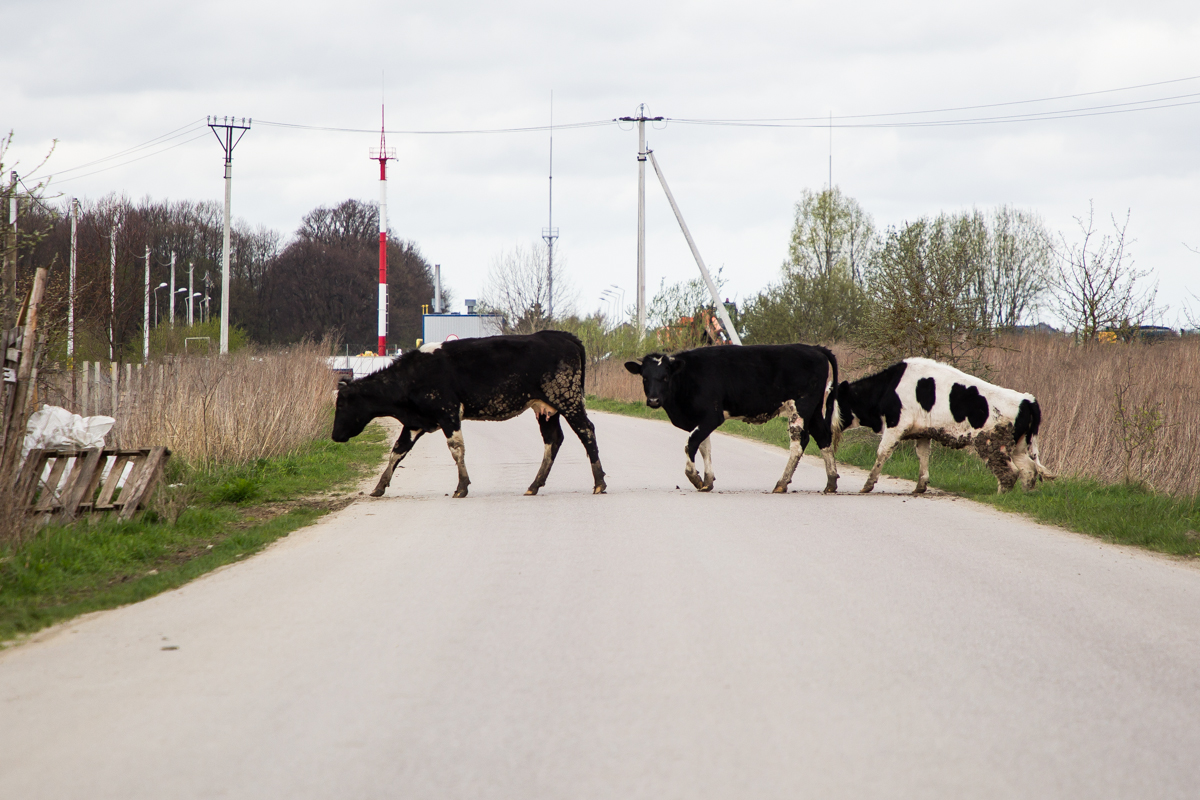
(890, 439)
(552, 436)
(454, 440)
(799, 439)
(578, 420)
(922, 446)
(694, 442)
(404, 443)
(706, 454)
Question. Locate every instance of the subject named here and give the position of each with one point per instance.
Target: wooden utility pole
(10, 257)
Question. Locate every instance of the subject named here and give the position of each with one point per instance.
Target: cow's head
(353, 412)
(656, 370)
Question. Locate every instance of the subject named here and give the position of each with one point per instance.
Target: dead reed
(231, 410)
(1113, 412)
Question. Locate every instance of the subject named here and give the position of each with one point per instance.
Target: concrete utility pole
(228, 125)
(550, 233)
(172, 314)
(383, 155)
(191, 290)
(146, 312)
(641, 119)
(722, 312)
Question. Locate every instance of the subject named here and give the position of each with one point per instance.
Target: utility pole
(71, 289)
(172, 315)
(10, 256)
(550, 233)
(71, 296)
(112, 282)
(641, 119)
(191, 289)
(228, 125)
(383, 155)
(719, 305)
(437, 288)
(146, 312)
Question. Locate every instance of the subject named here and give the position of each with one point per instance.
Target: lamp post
(162, 285)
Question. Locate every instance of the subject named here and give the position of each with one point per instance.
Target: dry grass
(230, 410)
(1154, 440)
(1111, 412)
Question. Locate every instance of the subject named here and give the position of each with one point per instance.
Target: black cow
(700, 389)
(923, 400)
(492, 378)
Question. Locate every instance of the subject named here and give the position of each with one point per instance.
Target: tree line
(321, 281)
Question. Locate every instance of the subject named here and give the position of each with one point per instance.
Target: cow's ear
(634, 366)
(674, 366)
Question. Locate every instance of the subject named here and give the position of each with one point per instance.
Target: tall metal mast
(550, 233)
(228, 125)
(383, 155)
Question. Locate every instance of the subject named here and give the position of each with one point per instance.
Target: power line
(130, 161)
(531, 129)
(166, 137)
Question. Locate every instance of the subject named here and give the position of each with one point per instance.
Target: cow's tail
(833, 421)
(582, 365)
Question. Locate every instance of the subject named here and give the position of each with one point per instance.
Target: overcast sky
(103, 77)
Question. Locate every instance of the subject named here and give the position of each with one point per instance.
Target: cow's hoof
(600, 489)
(866, 489)
(830, 486)
(377, 493)
(460, 492)
(531, 491)
(780, 488)
(920, 489)
(695, 479)
(704, 488)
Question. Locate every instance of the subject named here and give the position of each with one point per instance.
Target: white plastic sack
(54, 428)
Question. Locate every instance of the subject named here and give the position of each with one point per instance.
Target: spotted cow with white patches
(489, 378)
(699, 389)
(926, 401)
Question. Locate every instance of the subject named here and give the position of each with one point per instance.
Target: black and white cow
(926, 401)
(700, 389)
(491, 378)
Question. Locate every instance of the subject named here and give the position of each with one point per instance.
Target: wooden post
(14, 432)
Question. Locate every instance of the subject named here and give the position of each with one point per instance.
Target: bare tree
(1019, 271)
(1098, 288)
(518, 287)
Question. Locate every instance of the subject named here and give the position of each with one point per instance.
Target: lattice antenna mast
(383, 155)
(550, 233)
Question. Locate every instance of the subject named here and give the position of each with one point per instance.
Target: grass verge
(1122, 514)
(197, 521)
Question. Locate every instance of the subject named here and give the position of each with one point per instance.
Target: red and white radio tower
(383, 155)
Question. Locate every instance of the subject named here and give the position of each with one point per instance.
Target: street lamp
(162, 285)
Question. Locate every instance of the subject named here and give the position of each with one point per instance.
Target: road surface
(650, 643)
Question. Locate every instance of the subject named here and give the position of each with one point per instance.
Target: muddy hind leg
(578, 420)
(404, 443)
(454, 440)
(922, 447)
(552, 436)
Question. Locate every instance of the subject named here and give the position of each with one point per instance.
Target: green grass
(1121, 514)
(208, 519)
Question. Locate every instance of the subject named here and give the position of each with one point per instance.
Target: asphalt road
(650, 643)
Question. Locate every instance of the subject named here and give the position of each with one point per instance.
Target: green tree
(925, 288)
(820, 295)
